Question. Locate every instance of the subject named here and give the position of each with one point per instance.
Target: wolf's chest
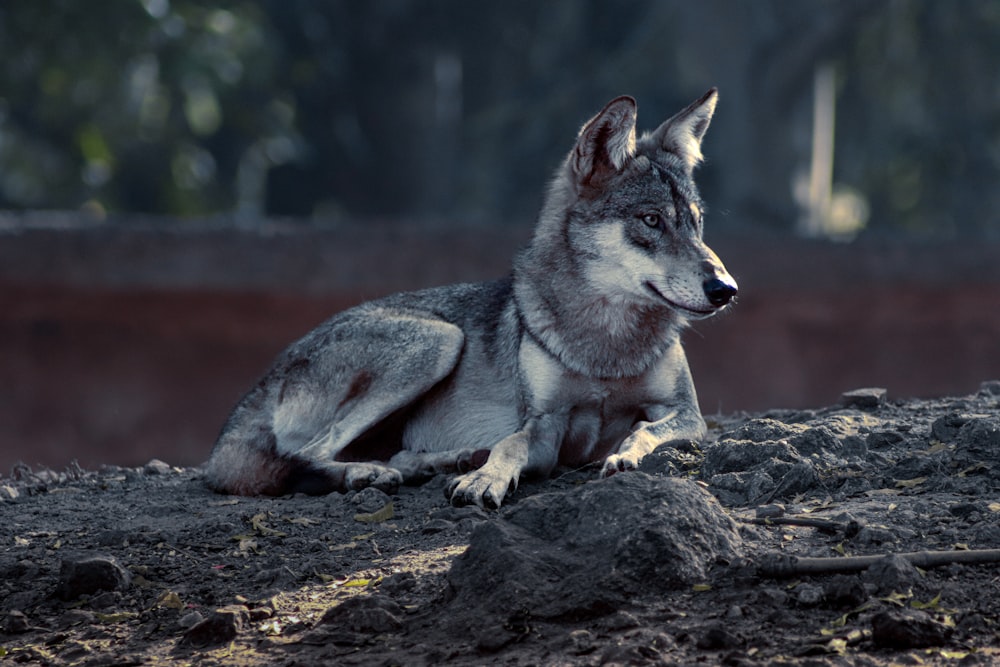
(595, 428)
(599, 413)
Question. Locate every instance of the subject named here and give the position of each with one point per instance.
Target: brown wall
(126, 341)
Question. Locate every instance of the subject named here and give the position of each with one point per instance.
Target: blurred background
(187, 186)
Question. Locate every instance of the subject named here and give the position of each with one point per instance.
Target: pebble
(770, 511)
(808, 595)
(990, 388)
(717, 637)
(581, 641)
(370, 614)
(16, 622)
(370, 500)
(845, 592)
(870, 397)
(220, 627)
(190, 619)
(893, 573)
(945, 428)
(90, 575)
(157, 467)
(908, 628)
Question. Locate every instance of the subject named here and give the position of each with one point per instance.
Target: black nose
(718, 292)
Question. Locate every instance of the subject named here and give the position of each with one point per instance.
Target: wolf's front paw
(479, 488)
(618, 463)
(362, 475)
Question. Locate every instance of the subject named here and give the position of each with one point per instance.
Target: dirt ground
(688, 561)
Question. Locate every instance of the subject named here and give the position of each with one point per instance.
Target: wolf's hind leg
(381, 362)
(418, 467)
(325, 393)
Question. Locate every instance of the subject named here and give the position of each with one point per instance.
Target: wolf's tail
(248, 464)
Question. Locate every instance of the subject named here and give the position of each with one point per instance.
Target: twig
(780, 565)
(824, 525)
(183, 552)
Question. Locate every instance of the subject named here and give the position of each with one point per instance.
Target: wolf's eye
(651, 219)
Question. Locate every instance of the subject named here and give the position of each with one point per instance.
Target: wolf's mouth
(696, 312)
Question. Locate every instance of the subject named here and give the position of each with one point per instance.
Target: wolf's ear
(682, 134)
(605, 143)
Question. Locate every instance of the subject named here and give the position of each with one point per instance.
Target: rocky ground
(744, 550)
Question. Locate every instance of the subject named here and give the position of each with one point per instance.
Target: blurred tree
(458, 111)
(920, 116)
(152, 106)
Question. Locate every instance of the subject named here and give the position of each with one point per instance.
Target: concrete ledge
(130, 339)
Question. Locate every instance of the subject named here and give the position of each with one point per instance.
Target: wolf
(574, 358)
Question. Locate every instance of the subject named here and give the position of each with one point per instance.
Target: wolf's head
(626, 211)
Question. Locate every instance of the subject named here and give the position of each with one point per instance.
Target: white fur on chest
(599, 413)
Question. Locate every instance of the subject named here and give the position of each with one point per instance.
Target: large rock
(584, 552)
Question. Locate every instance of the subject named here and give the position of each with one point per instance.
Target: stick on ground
(775, 565)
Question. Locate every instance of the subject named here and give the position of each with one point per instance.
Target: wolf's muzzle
(719, 292)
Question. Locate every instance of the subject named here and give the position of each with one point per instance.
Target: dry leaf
(910, 483)
(258, 523)
(304, 521)
(169, 600)
(379, 516)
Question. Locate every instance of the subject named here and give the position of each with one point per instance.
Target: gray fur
(575, 358)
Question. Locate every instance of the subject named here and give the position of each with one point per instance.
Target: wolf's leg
(358, 372)
(532, 450)
(667, 425)
(417, 467)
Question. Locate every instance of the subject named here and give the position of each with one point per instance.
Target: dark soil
(684, 562)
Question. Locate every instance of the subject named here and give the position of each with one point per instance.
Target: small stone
(990, 388)
(770, 511)
(16, 622)
(436, 526)
(885, 439)
(717, 637)
(156, 467)
(8, 492)
(947, 427)
(963, 509)
(908, 628)
(893, 573)
(871, 397)
(370, 614)
(370, 500)
(90, 575)
(220, 627)
(809, 595)
(190, 619)
(844, 592)
(581, 641)
(869, 535)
